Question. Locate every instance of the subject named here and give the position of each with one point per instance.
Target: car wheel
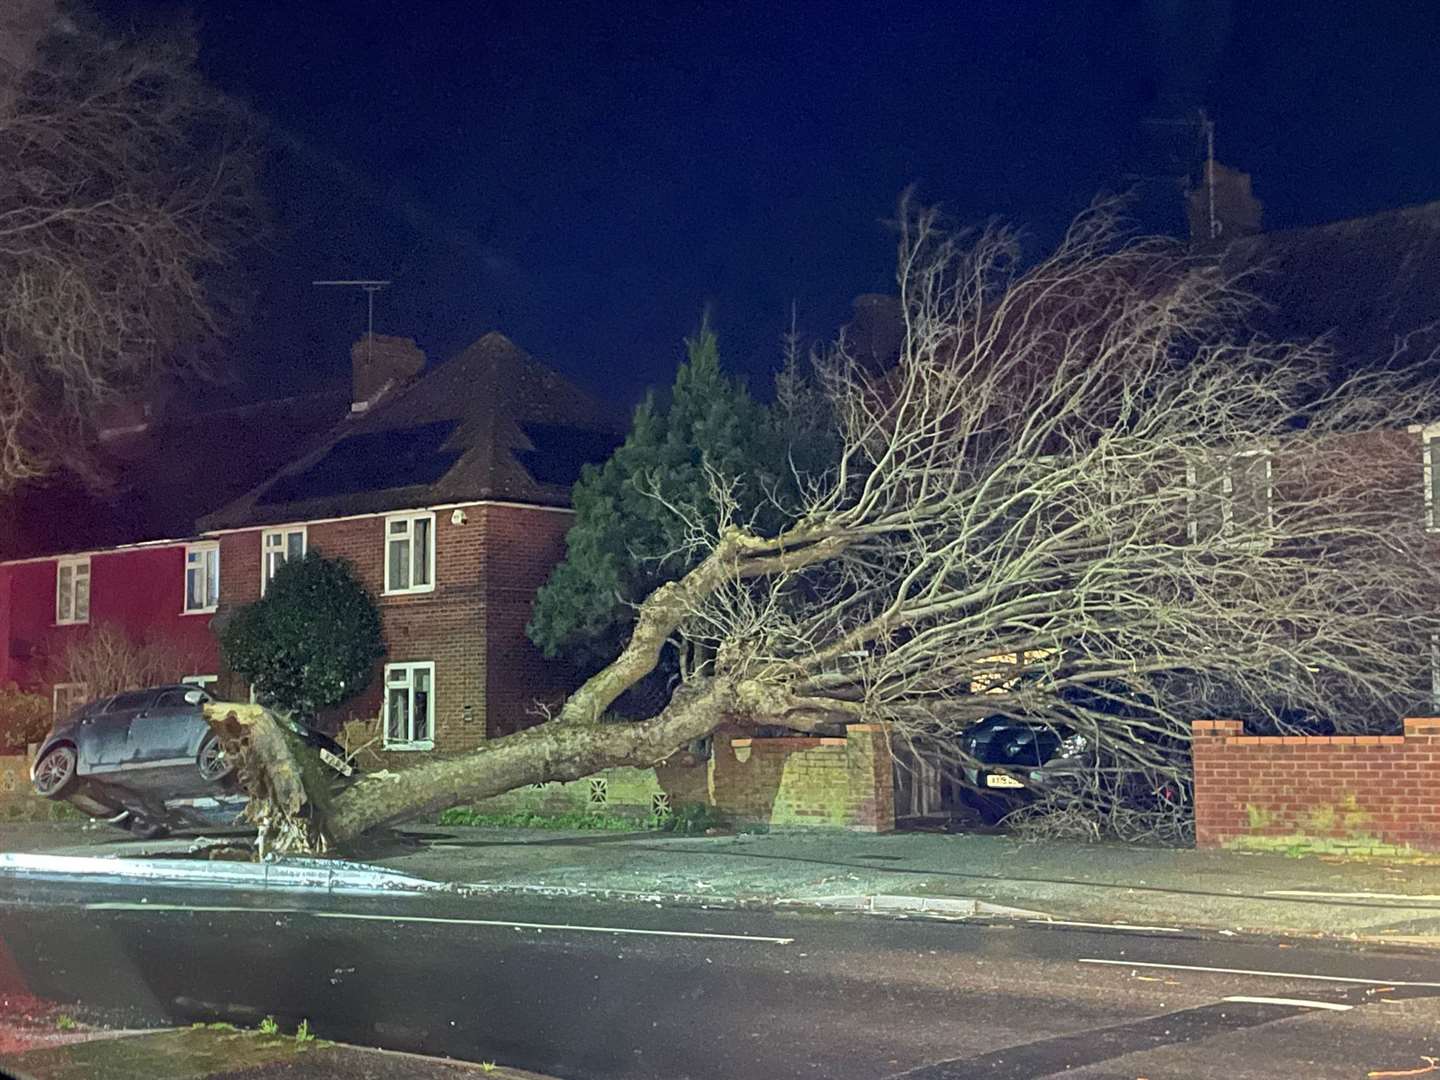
(55, 773)
(214, 765)
(144, 828)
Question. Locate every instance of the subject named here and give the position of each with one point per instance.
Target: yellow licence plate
(1001, 780)
(340, 765)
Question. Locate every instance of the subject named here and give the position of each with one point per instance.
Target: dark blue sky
(587, 178)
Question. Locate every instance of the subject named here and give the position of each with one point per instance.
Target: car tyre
(55, 772)
(213, 764)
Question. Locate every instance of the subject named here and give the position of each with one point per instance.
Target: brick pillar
(1217, 799)
(871, 779)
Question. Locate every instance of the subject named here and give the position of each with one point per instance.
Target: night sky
(589, 178)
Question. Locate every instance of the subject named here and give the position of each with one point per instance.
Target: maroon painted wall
(139, 590)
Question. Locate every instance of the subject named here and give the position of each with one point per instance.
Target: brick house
(450, 497)
(119, 548)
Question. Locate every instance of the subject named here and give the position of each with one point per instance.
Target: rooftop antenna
(371, 288)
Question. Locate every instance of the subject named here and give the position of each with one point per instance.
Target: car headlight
(1073, 746)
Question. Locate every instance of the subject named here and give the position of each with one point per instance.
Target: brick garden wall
(18, 801)
(802, 781)
(1352, 792)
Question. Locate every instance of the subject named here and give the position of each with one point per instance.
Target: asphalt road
(584, 989)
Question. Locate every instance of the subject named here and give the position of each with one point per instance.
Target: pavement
(592, 989)
(1220, 891)
(222, 1052)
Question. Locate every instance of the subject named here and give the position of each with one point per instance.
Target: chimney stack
(876, 330)
(1236, 211)
(379, 363)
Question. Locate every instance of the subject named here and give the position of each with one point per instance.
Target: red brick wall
(1357, 790)
(522, 546)
(471, 626)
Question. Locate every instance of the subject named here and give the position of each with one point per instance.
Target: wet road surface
(585, 989)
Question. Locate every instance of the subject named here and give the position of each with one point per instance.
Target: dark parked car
(1017, 755)
(1009, 761)
(147, 761)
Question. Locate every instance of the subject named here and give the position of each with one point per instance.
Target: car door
(162, 734)
(103, 734)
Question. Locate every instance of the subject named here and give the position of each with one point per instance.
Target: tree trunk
(291, 808)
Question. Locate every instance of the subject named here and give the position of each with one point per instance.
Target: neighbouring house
(450, 496)
(118, 548)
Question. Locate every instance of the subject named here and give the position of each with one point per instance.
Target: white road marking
(1106, 925)
(1315, 894)
(1333, 1006)
(507, 923)
(1250, 971)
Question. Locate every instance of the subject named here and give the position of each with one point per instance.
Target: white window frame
(1227, 488)
(284, 533)
(1429, 435)
(203, 548)
(75, 565)
(409, 538)
(75, 693)
(409, 668)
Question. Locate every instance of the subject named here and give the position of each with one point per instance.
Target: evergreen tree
(631, 513)
(311, 641)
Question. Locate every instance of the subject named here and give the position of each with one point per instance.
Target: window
(1435, 671)
(1430, 437)
(66, 698)
(72, 591)
(409, 553)
(409, 706)
(202, 577)
(1231, 497)
(277, 547)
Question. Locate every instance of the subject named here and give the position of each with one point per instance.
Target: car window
(136, 699)
(171, 699)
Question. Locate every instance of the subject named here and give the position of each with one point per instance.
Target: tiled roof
(155, 480)
(1364, 283)
(489, 423)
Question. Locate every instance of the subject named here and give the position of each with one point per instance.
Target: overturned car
(147, 761)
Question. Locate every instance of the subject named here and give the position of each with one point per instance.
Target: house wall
(1317, 793)
(471, 625)
(141, 591)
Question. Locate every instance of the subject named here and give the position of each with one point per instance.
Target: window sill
(201, 610)
(409, 592)
(409, 746)
(72, 622)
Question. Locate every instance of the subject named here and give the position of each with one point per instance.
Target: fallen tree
(1084, 494)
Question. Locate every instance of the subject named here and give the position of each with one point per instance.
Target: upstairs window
(277, 547)
(1231, 497)
(72, 591)
(202, 578)
(409, 553)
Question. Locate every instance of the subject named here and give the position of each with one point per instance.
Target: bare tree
(125, 185)
(1085, 495)
(106, 660)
